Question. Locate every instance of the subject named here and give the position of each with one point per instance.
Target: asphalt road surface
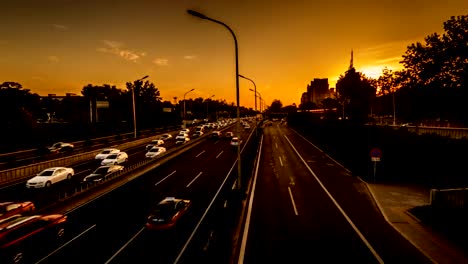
(305, 208)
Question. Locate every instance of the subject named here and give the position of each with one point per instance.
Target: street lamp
(184, 101)
(255, 94)
(202, 16)
(134, 109)
(207, 105)
(260, 96)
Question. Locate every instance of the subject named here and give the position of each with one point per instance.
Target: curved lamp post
(134, 109)
(255, 94)
(184, 100)
(202, 16)
(260, 99)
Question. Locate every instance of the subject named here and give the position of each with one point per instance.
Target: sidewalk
(394, 202)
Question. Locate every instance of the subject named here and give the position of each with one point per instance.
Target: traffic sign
(376, 153)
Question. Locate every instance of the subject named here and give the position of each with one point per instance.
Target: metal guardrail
(449, 198)
(25, 172)
(452, 132)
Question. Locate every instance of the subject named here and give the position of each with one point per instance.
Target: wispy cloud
(53, 59)
(190, 57)
(116, 48)
(392, 59)
(161, 61)
(60, 27)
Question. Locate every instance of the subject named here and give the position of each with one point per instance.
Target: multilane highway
(305, 207)
(99, 230)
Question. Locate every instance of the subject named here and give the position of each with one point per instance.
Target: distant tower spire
(351, 62)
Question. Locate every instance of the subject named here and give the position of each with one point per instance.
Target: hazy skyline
(60, 46)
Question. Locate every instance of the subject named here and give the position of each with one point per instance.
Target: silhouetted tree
(356, 92)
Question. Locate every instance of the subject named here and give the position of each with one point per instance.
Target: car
(235, 141)
(154, 143)
(61, 147)
(50, 176)
(155, 151)
(216, 134)
(246, 127)
(166, 136)
(229, 134)
(21, 233)
(117, 158)
(8, 209)
(167, 213)
(106, 152)
(102, 172)
(185, 130)
(181, 139)
(197, 134)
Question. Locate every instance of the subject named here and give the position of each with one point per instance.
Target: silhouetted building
(317, 90)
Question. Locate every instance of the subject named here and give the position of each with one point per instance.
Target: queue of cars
(18, 216)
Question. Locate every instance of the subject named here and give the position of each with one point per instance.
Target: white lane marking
(249, 209)
(281, 162)
(219, 154)
(292, 200)
(82, 172)
(165, 178)
(276, 144)
(195, 230)
(369, 246)
(216, 142)
(64, 245)
(199, 154)
(124, 246)
(194, 179)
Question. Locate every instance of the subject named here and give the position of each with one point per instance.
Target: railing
(457, 133)
(449, 198)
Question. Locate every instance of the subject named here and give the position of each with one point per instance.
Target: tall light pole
(207, 105)
(202, 16)
(255, 91)
(134, 109)
(184, 100)
(259, 96)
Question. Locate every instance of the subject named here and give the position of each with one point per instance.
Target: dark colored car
(20, 235)
(8, 209)
(102, 173)
(167, 213)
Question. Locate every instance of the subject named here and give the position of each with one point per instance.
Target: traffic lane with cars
(115, 226)
(354, 198)
(292, 218)
(46, 196)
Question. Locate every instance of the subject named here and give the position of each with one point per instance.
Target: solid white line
(369, 246)
(209, 207)
(124, 246)
(199, 154)
(165, 178)
(321, 150)
(276, 144)
(58, 249)
(281, 161)
(292, 200)
(194, 179)
(249, 210)
(219, 154)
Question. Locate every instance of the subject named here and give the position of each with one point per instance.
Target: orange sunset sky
(59, 46)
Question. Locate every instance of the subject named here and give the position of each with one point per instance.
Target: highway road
(110, 228)
(305, 207)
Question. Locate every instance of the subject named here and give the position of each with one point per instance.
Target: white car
(116, 158)
(166, 136)
(235, 141)
(106, 152)
(185, 129)
(181, 139)
(50, 176)
(155, 151)
(155, 143)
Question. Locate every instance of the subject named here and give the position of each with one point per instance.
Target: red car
(8, 209)
(21, 234)
(167, 213)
